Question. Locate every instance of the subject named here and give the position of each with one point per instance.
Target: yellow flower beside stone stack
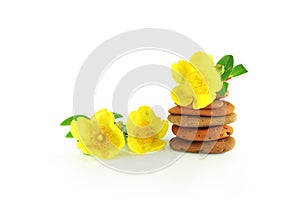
(100, 135)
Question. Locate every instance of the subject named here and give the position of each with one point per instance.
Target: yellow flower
(99, 135)
(144, 130)
(82, 147)
(198, 81)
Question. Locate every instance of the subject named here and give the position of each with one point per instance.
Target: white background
(43, 45)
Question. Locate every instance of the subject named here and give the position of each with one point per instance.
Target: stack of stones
(205, 130)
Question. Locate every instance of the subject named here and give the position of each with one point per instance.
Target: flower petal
(138, 124)
(163, 129)
(81, 127)
(142, 116)
(104, 118)
(82, 148)
(157, 144)
(203, 100)
(139, 145)
(213, 80)
(116, 137)
(182, 94)
(211, 58)
(138, 131)
(73, 130)
(180, 70)
(176, 74)
(204, 63)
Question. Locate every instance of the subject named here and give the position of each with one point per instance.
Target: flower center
(100, 137)
(197, 83)
(106, 133)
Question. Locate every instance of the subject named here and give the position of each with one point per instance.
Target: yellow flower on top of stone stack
(198, 81)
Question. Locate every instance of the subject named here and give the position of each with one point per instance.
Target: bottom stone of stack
(212, 147)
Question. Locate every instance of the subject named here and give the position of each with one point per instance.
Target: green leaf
(124, 130)
(226, 74)
(69, 135)
(238, 70)
(68, 121)
(226, 61)
(117, 115)
(125, 134)
(122, 127)
(224, 89)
